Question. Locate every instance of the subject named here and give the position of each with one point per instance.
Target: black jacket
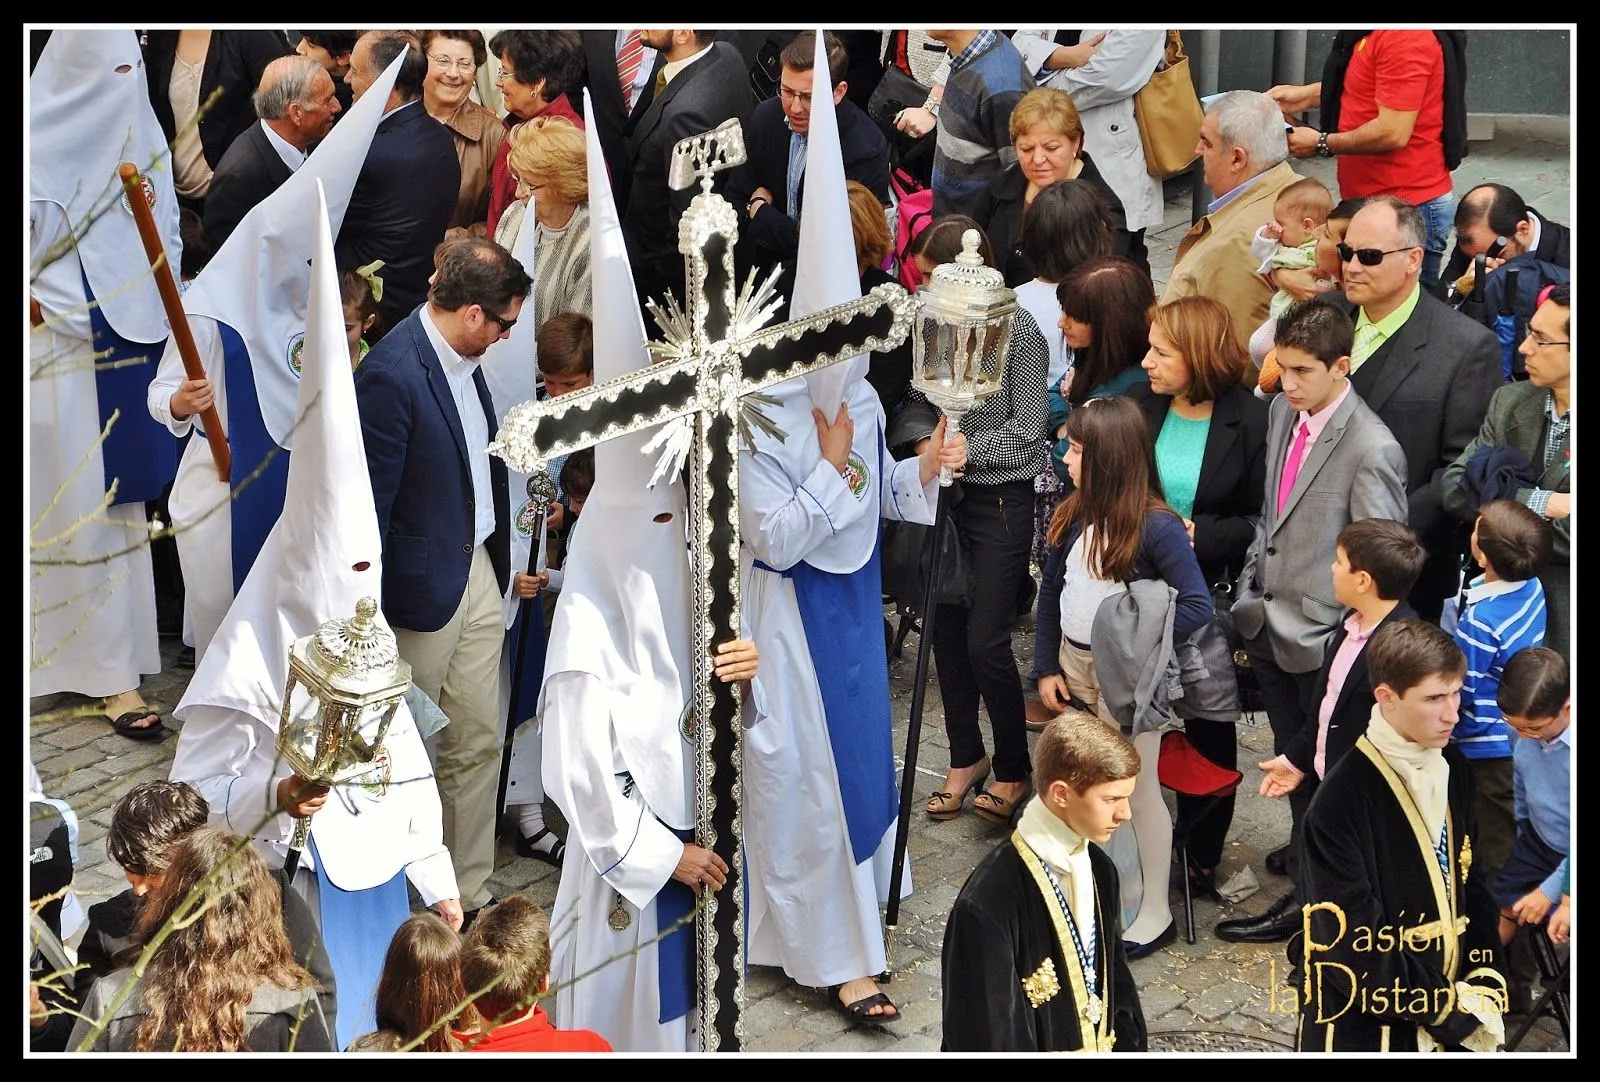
(250, 171)
(1000, 213)
(1227, 500)
(401, 206)
(772, 236)
(609, 114)
(1353, 709)
(712, 89)
(234, 62)
(1555, 246)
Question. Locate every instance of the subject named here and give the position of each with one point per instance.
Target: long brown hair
(1117, 484)
(203, 976)
(421, 985)
(1114, 297)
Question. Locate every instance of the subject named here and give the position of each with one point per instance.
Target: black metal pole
(919, 689)
(514, 710)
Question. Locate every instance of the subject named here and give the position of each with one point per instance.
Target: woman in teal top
(1210, 435)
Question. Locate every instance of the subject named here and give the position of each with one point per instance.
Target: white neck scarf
(1422, 771)
(1066, 853)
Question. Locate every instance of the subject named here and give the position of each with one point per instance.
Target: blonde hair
(869, 225)
(1046, 105)
(553, 149)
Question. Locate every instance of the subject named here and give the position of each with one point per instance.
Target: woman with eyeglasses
(453, 60)
(549, 159)
(1302, 283)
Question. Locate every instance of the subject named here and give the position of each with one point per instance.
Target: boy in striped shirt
(1503, 611)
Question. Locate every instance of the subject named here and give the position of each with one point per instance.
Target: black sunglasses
(505, 324)
(1369, 257)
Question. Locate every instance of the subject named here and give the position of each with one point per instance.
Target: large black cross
(714, 355)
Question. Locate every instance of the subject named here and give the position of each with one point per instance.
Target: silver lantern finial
(353, 672)
(962, 335)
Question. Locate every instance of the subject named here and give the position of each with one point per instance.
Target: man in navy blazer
(442, 503)
(769, 231)
(701, 84)
(407, 189)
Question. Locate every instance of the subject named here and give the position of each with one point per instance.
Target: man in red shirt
(1385, 125)
(506, 955)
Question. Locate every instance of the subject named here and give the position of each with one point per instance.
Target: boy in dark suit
(1376, 564)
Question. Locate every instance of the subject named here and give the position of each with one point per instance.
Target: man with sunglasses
(1426, 370)
(442, 503)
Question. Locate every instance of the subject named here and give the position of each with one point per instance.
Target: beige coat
(478, 134)
(1214, 256)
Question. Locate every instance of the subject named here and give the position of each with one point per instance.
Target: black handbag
(1249, 686)
(896, 91)
(908, 551)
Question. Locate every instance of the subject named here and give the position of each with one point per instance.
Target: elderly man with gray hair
(295, 106)
(1243, 149)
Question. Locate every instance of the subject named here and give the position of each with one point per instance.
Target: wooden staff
(161, 267)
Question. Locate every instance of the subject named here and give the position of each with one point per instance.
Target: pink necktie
(629, 57)
(1291, 465)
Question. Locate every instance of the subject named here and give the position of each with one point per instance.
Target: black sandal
(527, 848)
(124, 724)
(860, 1012)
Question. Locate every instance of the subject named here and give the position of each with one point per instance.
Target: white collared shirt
(458, 373)
(292, 155)
(673, 68)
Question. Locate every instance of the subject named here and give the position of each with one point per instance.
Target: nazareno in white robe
(812, 909)
(93, 625)
(199, 502)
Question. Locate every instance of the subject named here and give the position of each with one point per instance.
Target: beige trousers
(458, 667)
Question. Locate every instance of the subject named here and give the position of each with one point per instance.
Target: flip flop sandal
(860, 1012)
(526, 847)
(124, 724)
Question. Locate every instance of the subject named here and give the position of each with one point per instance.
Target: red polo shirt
(535, 1034)
(1401, 70)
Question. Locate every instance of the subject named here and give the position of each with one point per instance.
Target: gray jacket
(1133, 656)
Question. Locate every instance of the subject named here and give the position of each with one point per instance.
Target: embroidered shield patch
(375, 782)
(855, 475)
(296, 344)
(527, 517)
(686, 722)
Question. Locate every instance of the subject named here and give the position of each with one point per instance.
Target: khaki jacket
(1214, 256)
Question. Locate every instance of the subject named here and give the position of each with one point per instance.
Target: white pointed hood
(323, 555)
(826, 275)
(258, 280)
(510, 367)
(625, 599)
(89, 111)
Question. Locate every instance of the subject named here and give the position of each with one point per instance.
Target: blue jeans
(1438, 216)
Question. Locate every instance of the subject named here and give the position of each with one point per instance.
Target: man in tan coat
(1243, 150)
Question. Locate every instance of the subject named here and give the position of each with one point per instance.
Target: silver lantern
(355, 677)
(962, 335)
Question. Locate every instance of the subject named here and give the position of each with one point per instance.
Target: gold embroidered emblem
(619, 918)
(1466, 857)
(1041, 985)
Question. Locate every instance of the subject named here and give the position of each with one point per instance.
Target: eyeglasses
(1541, 342)
(793, 96)
(1369, 257)
(505, 324)
(465, 66)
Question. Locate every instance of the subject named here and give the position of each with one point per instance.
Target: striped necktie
(629, 57)
(1367, 340)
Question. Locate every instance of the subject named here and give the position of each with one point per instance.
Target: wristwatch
(1323, 150)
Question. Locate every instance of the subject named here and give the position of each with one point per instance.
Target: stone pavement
(1208, 996)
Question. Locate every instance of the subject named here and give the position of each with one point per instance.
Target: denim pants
(1438, 217)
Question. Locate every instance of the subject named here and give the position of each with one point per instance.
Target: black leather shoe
(1278, 923)
(1278, 861)
(1140, 950)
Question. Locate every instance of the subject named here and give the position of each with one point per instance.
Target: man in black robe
(1033, 955)
(1401, 943)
